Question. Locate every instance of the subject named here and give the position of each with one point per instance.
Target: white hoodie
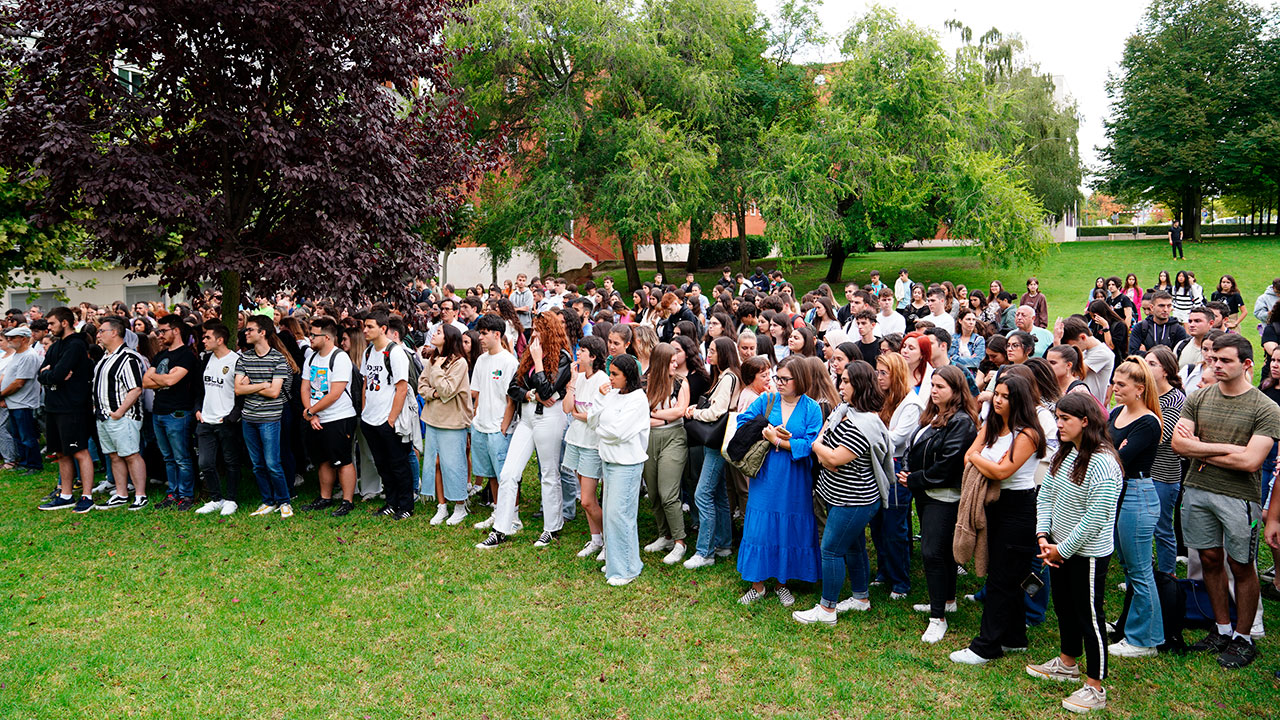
(622, 424)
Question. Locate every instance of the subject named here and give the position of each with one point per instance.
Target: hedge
(1105, 230)
(724, 251)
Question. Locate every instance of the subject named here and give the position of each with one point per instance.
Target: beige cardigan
(447, 395)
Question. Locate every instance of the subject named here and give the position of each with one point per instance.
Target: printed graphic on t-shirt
(319, 382)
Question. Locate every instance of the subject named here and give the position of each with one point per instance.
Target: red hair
(926, 353)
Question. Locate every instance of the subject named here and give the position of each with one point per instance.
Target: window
(23, 299)
(131, 79)
(142, 293)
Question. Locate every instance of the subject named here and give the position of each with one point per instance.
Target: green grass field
(164, 615)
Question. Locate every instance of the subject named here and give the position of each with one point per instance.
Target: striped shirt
(263, 369)
(115, 376)
(852, 484)
(1167, 467)
(1081, 519)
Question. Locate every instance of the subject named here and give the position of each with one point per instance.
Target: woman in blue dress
(779, 534)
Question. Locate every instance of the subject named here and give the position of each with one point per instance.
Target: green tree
(28, 243)
(1181, 86)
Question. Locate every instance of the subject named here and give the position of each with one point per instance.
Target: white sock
(1224, 629)
(442, 506)
(64, 496)
(597, 538)
(1241, 635)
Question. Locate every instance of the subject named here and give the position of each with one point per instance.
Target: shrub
(724, 251)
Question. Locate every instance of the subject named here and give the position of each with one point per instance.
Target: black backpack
(415, 364)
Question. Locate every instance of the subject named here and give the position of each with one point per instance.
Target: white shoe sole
(455, 520)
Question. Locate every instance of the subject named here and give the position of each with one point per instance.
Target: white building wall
(100, 287)
(470, 265)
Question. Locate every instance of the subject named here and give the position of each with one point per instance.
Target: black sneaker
(1214, 642)
(494, 540)
(385, 510)
(402, 515)
(185, 504)
(139, 503)
(546, 538)
(343, 508)
(1270, 591)
(83, 505)
(58, 503)
(169, 501)
(1239, 653)
(115, 501)
(320, 503)
(53, 494)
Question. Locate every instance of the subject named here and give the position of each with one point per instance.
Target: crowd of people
(752, 419)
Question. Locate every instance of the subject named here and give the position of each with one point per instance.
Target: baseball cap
(20, 331)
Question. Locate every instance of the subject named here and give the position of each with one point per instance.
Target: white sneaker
(229, 508)
(1124, 649)
(263, 509)
(591, 548)
(926, 607)
(1122, 586)
(897, 596)
(600, 557)
(853, 603)
(619, 581)
(815, 615)
(516, 526)
(442, 512)
(967, 657)
(662, 544)
(970, 598)
(723, 552)
(209, 507)
(286, 510)
(484, 524)
(459, 514)
(102, 487)
(936, 630)
(698, 561)
(676, 554)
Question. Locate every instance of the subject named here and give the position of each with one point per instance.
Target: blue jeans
(173, 435)
(712, 499)
(844, 548)
(1268, 472)
(450, 445)
(891, 533)
(568, 488)
(1166, 540)
(26, 438)
(621, 536)
(1135, 528)
(262, 441)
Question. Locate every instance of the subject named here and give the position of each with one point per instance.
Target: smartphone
(1032, 585)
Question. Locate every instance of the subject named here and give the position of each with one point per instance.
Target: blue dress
(779, 532)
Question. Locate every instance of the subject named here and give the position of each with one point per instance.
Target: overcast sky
(1080, 40)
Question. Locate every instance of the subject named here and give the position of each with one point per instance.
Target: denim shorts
(583, 461)
(122, 437)
(488, 451)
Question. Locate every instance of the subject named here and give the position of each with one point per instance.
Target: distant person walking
(1175, 240)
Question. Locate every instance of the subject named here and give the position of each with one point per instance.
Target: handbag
(751, 461)
(709, 434)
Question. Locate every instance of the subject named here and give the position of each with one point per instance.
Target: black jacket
(1149, 334)
(546, 387)
(63, 394)
(936, 456)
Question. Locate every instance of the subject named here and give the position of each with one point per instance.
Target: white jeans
(545, 433)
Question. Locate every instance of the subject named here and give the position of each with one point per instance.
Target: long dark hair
(1022, 414)
(451, 350)
(867, 396)
(1046, 381)
(961, 400)
(693, 361)
(630, 369)
(726, 359)
(1093, 438)
(1100, 307)
(1169, 363)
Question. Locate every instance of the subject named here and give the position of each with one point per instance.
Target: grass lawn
(165, 615)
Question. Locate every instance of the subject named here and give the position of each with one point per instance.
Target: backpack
(415, 364)
(333, 355)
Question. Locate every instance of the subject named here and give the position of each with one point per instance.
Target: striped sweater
(1081, 519)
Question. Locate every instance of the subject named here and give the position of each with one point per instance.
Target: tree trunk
(493, 270)
(657, 256)
(835, 247)
(696, 229)
(444, 267)
(744, 252)
(628, 247)
(1192, 206)
(231, 290)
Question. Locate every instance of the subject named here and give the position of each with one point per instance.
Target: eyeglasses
(1013, 345)
(316, 335)
(784, 379)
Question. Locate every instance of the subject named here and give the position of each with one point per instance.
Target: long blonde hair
(1136, 369)
(899, 386)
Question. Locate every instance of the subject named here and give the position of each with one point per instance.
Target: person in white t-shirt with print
(218, 433)
(490, 430)
(386, 390)
(580, 454)
(330, 416)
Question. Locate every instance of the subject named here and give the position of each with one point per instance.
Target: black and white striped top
(115, 375)
(852, 484)
(1167, 467)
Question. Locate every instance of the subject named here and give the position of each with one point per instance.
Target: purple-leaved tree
(258, 144)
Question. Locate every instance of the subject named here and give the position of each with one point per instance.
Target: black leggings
(937, 530)
(1077, 589)
(1011, 544)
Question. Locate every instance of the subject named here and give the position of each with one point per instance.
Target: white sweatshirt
(622, 424)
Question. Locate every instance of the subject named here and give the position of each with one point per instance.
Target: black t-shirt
(870, 351)
(1233, 300)
(1136, 442)
(1273, 393)
(1119, 303)
(1175, 234)
(1270, 333)
(181, 396)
